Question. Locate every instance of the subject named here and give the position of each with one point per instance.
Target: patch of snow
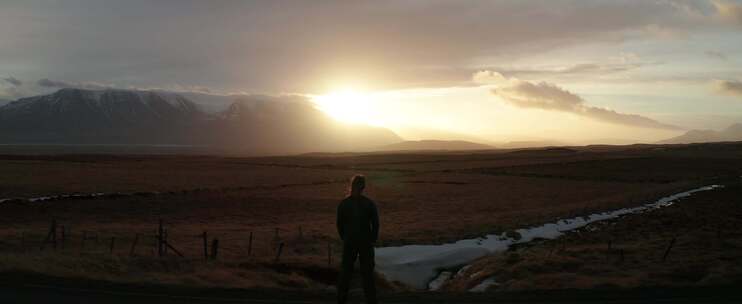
(461, 271)
(481, 287)
(416, 265)
(438, 281)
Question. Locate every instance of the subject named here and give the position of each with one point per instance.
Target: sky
(494, 71)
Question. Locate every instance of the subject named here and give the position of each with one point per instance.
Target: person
(358, 227)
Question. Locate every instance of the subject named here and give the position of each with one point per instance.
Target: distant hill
(531, 144)
(251, 124)
(732, 133)
(430, 145)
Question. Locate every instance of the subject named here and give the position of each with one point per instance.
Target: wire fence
(264, 244)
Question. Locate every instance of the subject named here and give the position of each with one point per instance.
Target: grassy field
(423, 198)
(695, 242)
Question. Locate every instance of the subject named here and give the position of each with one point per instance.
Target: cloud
(729, 87)
(729, 11)
(14, 81)
(48, 83)
(385, 44)
(624, 62)
(488, 77)
(548, 96)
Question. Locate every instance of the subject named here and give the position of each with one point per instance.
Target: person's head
(357, 184)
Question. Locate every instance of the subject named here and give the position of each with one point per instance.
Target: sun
(346, 105)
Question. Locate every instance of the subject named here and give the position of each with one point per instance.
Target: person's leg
(366, 255)
(346, 272)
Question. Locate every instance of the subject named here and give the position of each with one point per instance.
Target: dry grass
(707, 251)
(422, 198)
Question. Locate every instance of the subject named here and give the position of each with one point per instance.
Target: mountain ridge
(252, 124)
(731, 133)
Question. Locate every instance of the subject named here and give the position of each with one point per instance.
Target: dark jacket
(358, 220)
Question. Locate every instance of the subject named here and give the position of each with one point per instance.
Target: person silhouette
(358, 227)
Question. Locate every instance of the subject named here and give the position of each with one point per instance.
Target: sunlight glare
(347, 105)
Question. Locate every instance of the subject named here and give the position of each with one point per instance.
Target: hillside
(431, 145)
(732, 133)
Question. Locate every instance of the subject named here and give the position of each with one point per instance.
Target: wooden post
(84, 237)
(164, 241)
(276, 237)
(113, 241)
(64, 236)
(609, 245)
(134, 245)
(23, 241)
(249, 245)
(214, 249)
(329, 253)
(159, 239)
(301, 234)
(51, 236)
(54, 233)
(206, 246)
(278, 254)
(621, 258)
(667, 251)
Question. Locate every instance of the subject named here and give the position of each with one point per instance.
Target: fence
(163, 240)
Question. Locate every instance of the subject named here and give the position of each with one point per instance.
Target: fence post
(278, 254)
(206, 246)
(301, 234)
(84, 237)
(329, 253)
(667, 251)
(249, 245)
(134, 245)
(113, 241)
(214, 249)
(64, 236)
(51, 236)
(164, 241)
(159, 239)
(54, 233)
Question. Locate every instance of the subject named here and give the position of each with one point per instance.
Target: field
(423, 198)
(695, 242)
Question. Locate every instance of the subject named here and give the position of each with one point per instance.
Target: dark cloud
(13, 81)
(304, 46)
(547, 96)
(729, 87)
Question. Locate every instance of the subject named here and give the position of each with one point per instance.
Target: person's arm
(339, 221)
(374, 222)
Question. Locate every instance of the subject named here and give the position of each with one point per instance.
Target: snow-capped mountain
(251, 124)
(732, 133)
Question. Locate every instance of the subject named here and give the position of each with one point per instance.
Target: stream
(419, 266)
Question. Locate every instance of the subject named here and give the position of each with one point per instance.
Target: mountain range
(435, 145)
(252, 124)
(732, 133)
